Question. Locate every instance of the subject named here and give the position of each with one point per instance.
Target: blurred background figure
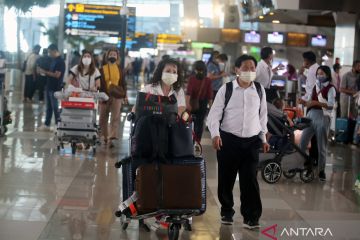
(290, 73)
(30, 73)
(43, 62)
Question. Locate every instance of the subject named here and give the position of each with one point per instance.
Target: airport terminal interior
(52, 189)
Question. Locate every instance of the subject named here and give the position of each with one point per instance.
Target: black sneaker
(322, 176)
(251, 224)
(227, 220)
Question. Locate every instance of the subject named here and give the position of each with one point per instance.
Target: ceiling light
(261, 17)
(276, 21)
(271, 13)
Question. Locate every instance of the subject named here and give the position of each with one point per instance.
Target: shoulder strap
(228, 93)
(259, 92)
(258, 89)
(201, 87)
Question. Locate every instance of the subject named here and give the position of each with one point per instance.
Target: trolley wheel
(307, 175)
(173, 231)
(289, 174)
(118, 214)
(124, 226)
(143, 225)
(73, 148)
(118, 164)
(271, 171)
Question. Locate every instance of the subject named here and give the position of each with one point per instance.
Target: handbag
(181, 139)
(195, 102)
(150, 104)
(117, 91)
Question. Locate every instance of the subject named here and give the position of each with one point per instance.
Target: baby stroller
(161, 177)
(78, 123)
(285, 157)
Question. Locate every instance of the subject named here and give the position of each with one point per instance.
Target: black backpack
(229, 91)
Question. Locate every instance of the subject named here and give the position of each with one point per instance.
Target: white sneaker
(44, 128)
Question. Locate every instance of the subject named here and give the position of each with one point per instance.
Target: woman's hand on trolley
(217, 143)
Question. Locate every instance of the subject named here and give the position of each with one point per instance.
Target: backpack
(228, 93)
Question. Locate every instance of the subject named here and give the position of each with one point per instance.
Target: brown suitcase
(168, 187)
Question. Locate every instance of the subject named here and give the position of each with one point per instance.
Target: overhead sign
(97, 20)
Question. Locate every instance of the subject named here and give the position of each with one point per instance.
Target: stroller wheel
(271, 171)
(173, 231)
(289, 174)
(307, 175)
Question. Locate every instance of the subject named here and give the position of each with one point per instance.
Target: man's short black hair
(336, 66)
(53, 47)
(266, 52)
(355, 62)
(223, 57)
(310, 56)
(243, 58)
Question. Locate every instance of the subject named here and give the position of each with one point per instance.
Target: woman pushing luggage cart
(160, 179)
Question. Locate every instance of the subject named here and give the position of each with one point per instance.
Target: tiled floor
(45, 194)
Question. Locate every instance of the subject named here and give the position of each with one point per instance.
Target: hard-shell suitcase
(77, 115)
(75, 125)
(178, 185)
(341, 130)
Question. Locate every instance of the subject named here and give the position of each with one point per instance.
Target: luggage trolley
(5, 114)
(169, 193)
(78, 120)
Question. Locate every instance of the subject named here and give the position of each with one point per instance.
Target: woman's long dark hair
(200, 66)
(327, 72)
(156, 80)
(81, 66)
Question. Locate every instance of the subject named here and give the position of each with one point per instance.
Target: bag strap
(228, 93)
(259, 92)
(201, 88)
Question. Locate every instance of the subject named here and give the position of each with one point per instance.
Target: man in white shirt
(237, 128)
(310, 64)
(264, 70)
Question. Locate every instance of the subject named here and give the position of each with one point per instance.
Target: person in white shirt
(264, 70)
(320, 104)
(30, 74)
(85, 75)
(310, 64)
(167, 80)
(237, 130)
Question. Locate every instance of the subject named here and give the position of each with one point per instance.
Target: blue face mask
(322, 79)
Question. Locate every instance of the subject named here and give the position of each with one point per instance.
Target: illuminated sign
(297, 39)
(169, 38)
(252, 37)
(97, 20)
(318, 41)
(275, 37)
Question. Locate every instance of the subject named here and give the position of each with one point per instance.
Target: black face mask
(199, 76)
(112, 59)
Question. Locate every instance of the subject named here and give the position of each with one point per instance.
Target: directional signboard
(96, 20)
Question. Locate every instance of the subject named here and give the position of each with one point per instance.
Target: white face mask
(247, 76)
(169, 78)
(222, 66)
(86, 61)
